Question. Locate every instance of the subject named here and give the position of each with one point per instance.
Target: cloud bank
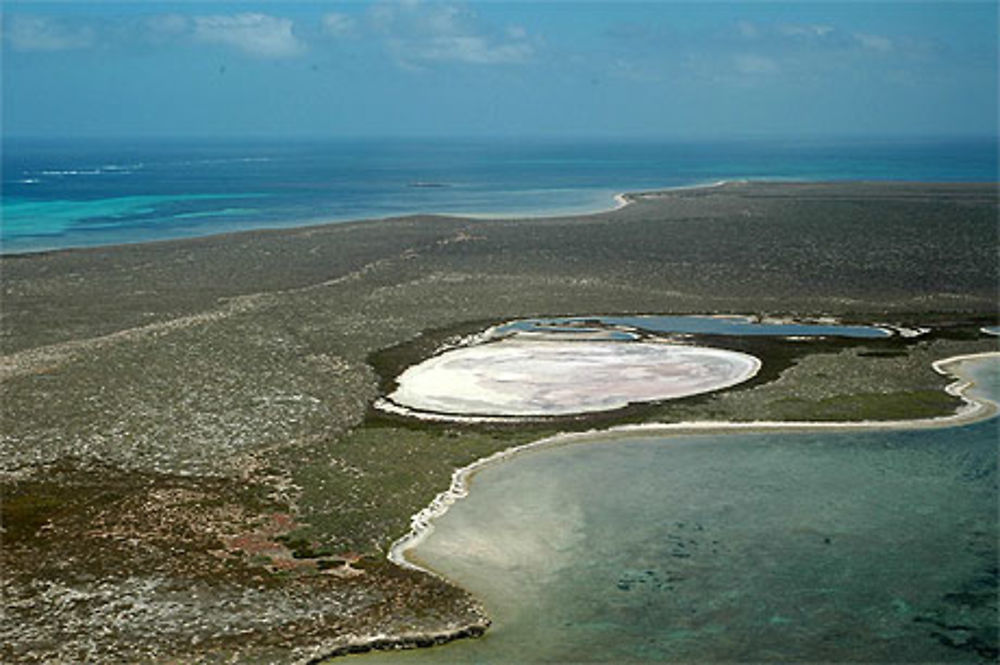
(42, 33)
(413, 34)
(419, 34)
(256, 34)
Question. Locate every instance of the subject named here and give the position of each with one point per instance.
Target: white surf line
(421, 524)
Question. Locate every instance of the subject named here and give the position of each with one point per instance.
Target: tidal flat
(192, 468)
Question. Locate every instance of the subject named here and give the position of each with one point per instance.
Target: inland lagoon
(688, 325)
(534, 368)
(848, 545)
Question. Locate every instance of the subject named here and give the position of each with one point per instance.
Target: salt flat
(538, 377)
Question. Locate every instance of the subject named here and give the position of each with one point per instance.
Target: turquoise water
(861, 546)
(23, 216)
(712, 325)
(72, 193)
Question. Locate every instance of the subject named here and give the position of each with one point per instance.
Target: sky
(489, 68)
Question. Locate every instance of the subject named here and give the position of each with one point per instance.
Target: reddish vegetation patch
(263, 541)
(282, 522)
(255, 543)
(283, 563)
(268, 540)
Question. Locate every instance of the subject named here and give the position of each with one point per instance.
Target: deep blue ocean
(78, 193)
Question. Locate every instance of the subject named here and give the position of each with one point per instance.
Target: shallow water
(842, 546)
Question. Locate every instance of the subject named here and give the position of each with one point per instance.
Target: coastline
(244, 365)
(972, 410)
(619, 201)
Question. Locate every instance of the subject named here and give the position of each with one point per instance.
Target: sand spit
(972, 410)
(620, 199)
(623, 199)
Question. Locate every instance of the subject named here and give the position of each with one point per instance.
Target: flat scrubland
(191, 466)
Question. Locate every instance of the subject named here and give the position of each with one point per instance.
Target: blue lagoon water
(72, 193)
(705, 325)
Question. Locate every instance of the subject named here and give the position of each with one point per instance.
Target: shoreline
(619, 201)
(243, 366)
(421, 523)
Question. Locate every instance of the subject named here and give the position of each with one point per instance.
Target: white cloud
(257, 34)
(808, 35)
(517, 32)
(419, 34)
(40, 33)
(158, 29)
(748, 29)
(805, 31)
(444, 20)
(338, 25)
(473, 49)
(753, 64)
(167, 24)
(874, 42)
